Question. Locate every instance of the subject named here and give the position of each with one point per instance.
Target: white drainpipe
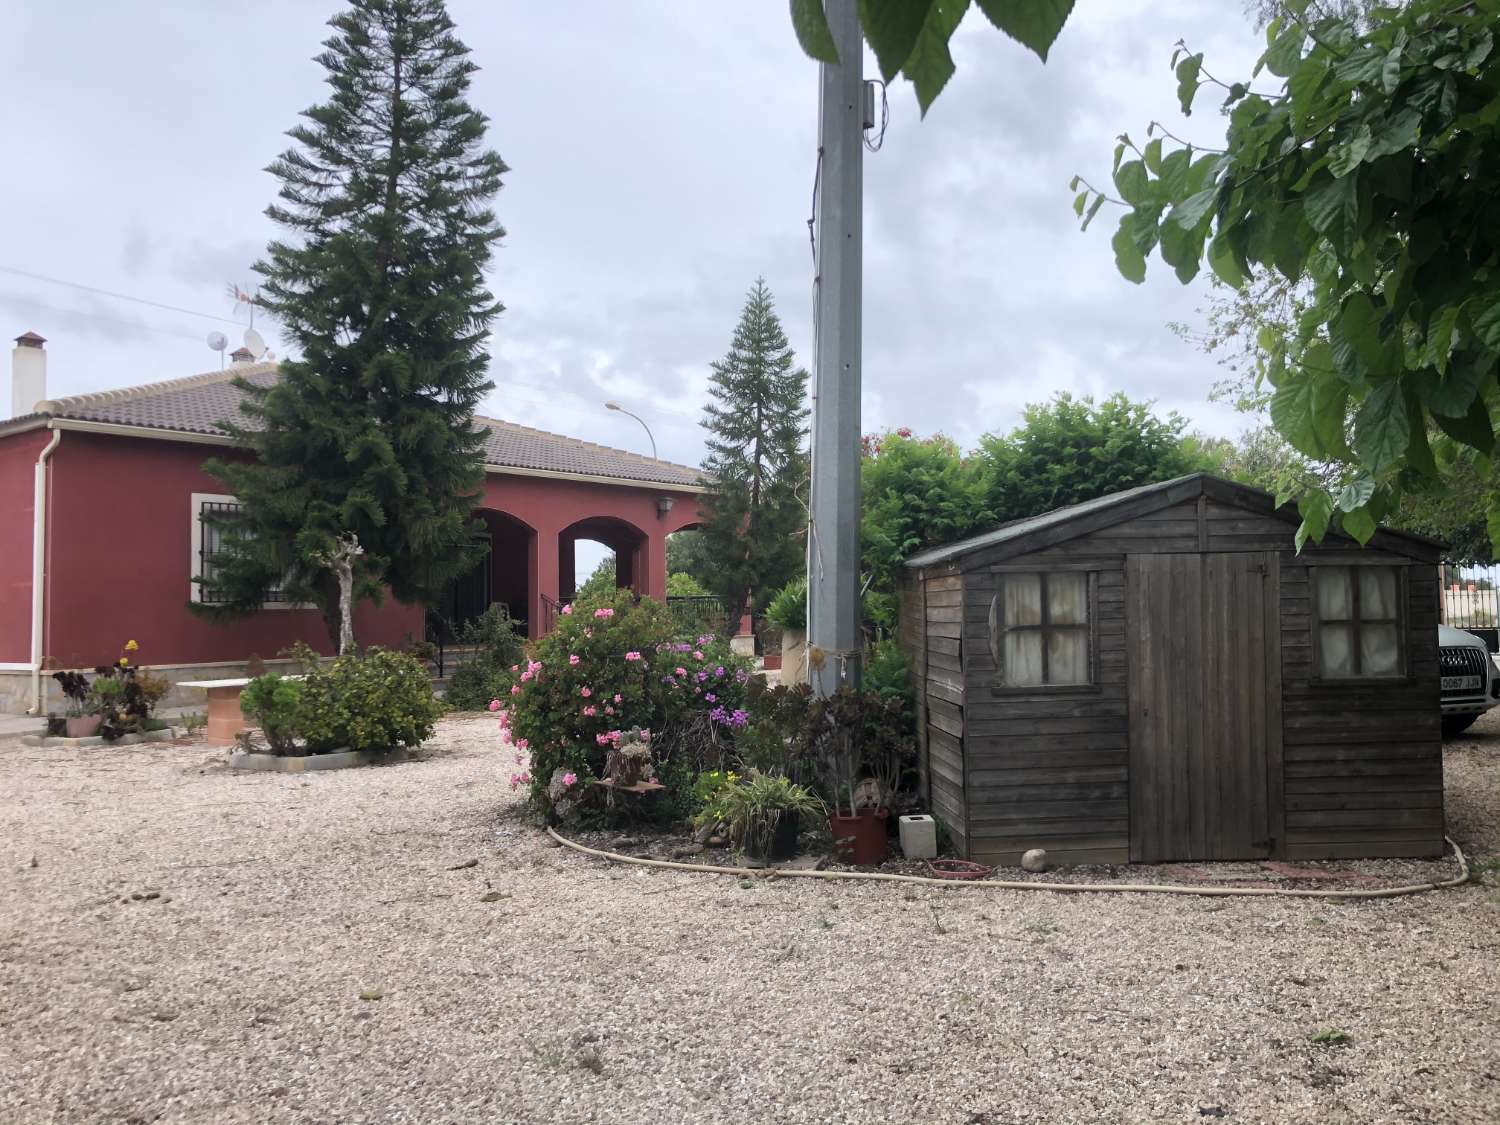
(39, 566)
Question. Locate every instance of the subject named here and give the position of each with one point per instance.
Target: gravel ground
(537, 985)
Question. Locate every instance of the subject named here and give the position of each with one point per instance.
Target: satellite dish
(218, 341)
(254, 344)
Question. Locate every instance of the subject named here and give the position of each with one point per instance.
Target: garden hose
(1006, 885)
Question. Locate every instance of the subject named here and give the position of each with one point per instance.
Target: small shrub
(486, 674)
(274, 704)
(788, 608)
(1332, 1037)
(753, 806)
(376, 701)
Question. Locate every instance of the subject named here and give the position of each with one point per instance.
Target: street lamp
(638, 418)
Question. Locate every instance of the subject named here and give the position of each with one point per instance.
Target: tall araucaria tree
(757, 422)
(379, 287)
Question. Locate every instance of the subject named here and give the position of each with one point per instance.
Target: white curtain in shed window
(1023, 599)
(1068, 656)
(1335, 652)
(1023, 657)
(1377, 592)
(1068, 599)
(1379, 654)
(1334, 597)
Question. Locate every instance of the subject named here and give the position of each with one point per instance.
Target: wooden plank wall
(931, 632)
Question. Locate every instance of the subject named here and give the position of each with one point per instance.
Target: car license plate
(1459, 683)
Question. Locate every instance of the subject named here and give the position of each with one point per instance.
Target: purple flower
(719, 671)
(739, 718)
(710, 697)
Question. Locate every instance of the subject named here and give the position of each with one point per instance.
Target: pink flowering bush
(611, 669)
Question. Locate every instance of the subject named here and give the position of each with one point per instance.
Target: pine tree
(379, 287)
(756, 418)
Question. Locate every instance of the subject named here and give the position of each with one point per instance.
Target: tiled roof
(197, 405)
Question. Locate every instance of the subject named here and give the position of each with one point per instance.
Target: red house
(101, 504)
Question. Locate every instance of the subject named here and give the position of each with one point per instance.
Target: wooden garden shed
(1160, 675)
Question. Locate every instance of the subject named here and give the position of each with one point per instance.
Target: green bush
(487, 673)
(377, 701)
(789, 607)
(274, 704)
(611, 667)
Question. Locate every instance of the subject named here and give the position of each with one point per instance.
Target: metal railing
(1469, 598)
(698, 614)
(550, 610)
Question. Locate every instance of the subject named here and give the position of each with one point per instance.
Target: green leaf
(930, 65)
(1152, 156)
(1351, 154)
(1132, 183)
(1079, 201)
(1094, 210)
(811, 25)
(1303, 88)
(1395, 134)
(1356, 494)
(1442, 331)
(1473, 429)
(1487, 320)
(1380, 428)
(891, 28)
(1359, 524)
(1316, 510)
(1034, 24)
(1390, 70)
(1192, 210)
(1452, 396)
(1222, 260)
(1332, 208)
(1285, 52)
(1492, 525)
(1128, 258)
(1187, 81)
(1418, 451)
(1359, 325)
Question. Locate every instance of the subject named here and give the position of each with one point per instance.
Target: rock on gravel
(591, 992)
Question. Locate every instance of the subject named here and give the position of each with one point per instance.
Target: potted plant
(788, 612)
(861, 754)
(83, 716)
(764, 814)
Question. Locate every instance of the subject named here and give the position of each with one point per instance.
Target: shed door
(1205, 705)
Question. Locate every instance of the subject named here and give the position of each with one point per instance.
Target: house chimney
(241, 355)
(28, 374)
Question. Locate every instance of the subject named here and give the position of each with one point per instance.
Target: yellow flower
(131, 646)
(124, 662)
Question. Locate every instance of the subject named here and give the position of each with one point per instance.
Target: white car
(1469, 682)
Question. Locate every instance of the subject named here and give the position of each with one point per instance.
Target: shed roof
(1117, 507)
(198, 403)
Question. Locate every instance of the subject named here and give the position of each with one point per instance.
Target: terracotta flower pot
(859, 839)
(83, 726)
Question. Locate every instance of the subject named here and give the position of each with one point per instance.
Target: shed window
(1039, 629)
(1358, 621)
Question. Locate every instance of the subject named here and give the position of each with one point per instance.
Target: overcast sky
(662, 157)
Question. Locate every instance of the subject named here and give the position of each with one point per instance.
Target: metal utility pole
(833, 530)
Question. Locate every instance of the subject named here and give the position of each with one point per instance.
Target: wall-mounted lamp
(663, 505)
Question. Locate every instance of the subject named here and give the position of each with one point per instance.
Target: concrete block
(339, 760)
(918, 837)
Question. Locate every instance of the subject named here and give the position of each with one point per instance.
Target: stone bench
(225, 719)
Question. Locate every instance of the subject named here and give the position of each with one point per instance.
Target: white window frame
(195, 548)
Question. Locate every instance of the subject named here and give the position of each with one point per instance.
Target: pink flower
(632, 655)
(515, 689)
(525, 676)
(521, 744)
(586, 692)
(602, 739)
(588, 632)
(618, 698)
(494, 705)
(573, 658)
(604, 611)
(590, 711)
(515, 667)
(533, 666)
(567, 609)
(570, 779)
(608, 710)
(697, 655)
(680, 671)
(645, 736)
